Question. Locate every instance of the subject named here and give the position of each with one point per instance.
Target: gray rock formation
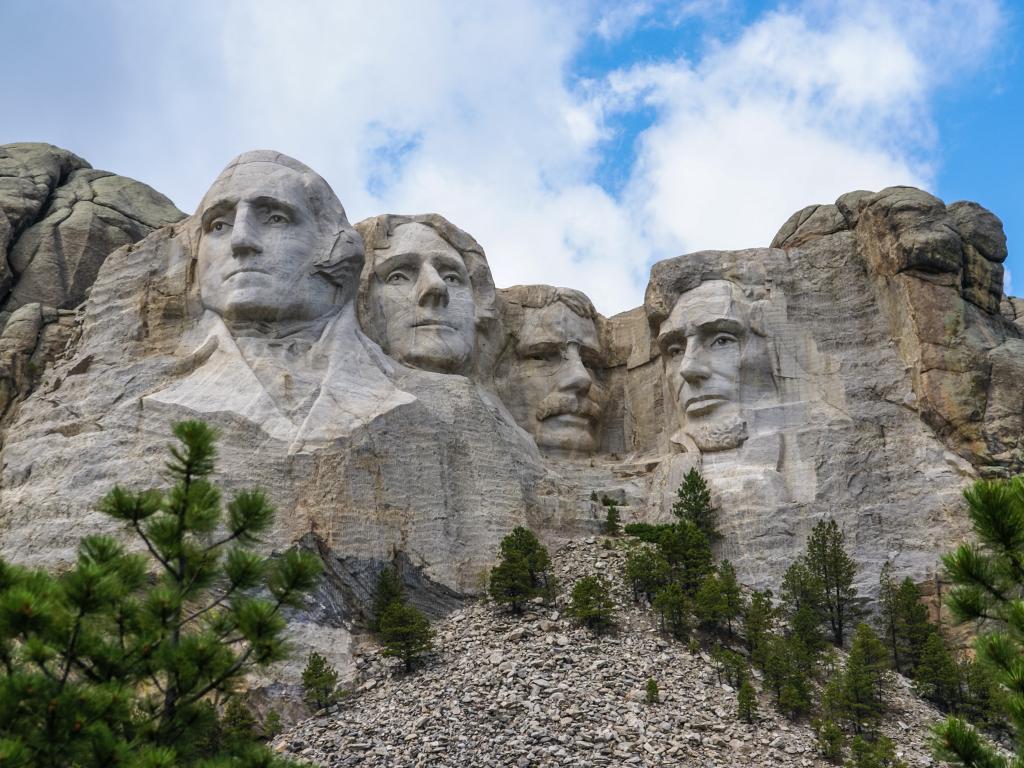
(396, 408)
(61, 219)
(547, 371)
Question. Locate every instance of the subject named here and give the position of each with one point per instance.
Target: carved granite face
(553, 391)
(257, 248)
(424, 293)
(702, 345)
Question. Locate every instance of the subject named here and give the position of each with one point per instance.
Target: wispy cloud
(474, 111)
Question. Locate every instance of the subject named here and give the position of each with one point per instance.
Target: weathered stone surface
(547, 370)
(397, 408)
(63, 218)
(535, 690)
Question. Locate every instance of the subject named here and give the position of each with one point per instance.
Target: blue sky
(578, 142)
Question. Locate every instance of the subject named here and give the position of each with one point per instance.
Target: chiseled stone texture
(396, 460)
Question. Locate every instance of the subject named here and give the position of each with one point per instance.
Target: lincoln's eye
(453, 279)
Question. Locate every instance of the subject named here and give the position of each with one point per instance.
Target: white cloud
(472, 110)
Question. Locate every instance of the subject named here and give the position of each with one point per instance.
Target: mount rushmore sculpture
(398, 407)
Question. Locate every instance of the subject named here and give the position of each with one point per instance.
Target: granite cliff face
(399, 407)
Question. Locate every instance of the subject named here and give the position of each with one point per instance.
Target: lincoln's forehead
(711, 301)
(558, 324)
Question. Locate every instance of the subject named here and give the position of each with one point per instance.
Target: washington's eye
(277, 218)
(219, 226)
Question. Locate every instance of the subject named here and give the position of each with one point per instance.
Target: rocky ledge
(534, 690)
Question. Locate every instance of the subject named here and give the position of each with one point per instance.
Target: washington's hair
(340, 257)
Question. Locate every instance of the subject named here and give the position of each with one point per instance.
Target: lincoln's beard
(718, 434)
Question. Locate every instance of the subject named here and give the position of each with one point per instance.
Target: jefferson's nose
(245, 239)
(693, 367)
(431, 289)
(573, 375)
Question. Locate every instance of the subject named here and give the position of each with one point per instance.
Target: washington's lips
(243, 270)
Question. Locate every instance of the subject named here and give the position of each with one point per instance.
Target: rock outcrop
(535, 690)
(61, 220)
(397, 406)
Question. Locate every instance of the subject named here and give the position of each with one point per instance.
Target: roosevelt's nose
(245, 239)
(431, 289)
(693, 367)
(573, 375)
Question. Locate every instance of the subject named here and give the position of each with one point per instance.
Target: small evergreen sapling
(693, 503)
(612, 526)
(405, 633)
(591, 603)
(651, 695)
(746, 701)
(389, 590)
(319, 682)
(674, 607)
(646, 572)
(510, 584)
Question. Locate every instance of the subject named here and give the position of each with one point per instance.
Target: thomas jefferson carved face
(551, 388)
(706, 345)
(258, 246)
(424, 293)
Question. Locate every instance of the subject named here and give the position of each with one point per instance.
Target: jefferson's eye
(396, 277)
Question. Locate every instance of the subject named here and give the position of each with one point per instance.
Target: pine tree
(889, 616)
(831, 739)
(646, 572)
(709, 605)
(405, 633)
(674, 607)
(591, 604)
(612, 526)
(238, 726)
(746, 701)
(732, 597)
(864, 680)
(787, 674)
(651, 695)
(106, 662)
(989, 579)
(523, 544)
(272, 724)
(877, 753)
(936, 676)
(693, 503)
(389, 590)
(914, 627)
(803, 599)
(758, 617)
(833, 569)
(319, 682)
(688, 554)
(510, 584)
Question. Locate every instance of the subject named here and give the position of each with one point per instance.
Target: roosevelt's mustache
(560, 403)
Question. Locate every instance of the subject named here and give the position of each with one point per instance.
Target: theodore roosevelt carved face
(547, 376)
(709, 350)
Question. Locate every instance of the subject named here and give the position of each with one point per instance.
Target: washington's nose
(574, 376)
(693, 368)
(245, 239)
(431, 288)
